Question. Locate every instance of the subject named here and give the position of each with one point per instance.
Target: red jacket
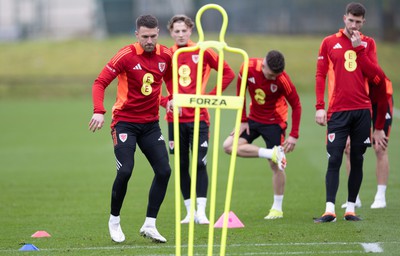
(140, 77)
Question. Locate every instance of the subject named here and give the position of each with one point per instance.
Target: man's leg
(153, 147)
(382, 174)
(202, 175)
(360, 139)
(124, 150)
(185, 180)
(347, 154)
(278, 184)
(337, 133)
(382, 158)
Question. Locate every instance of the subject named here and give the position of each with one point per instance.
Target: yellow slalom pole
(176, 105)
(232, 164)
(198, 101)
(220, 45)
(176, 159)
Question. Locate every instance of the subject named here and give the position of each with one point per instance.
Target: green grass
(56, 175)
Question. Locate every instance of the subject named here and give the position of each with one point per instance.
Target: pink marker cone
(41, 234)
(233, 221)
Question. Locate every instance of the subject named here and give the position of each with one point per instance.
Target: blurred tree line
(57, 19)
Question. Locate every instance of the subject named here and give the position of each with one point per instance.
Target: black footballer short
(147, 135)
(272, 134)
(186, 136)
(353, 123)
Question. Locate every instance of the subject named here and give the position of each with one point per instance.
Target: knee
(164, 173)
(167, 174)
(335, 159)
(275, 169)
(124, 160)
(124, 172)
(124, 168)
(228, 145)
(379, 151)
(357, 152)
(202, 160)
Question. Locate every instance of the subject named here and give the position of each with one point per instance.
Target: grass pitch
(57, 176)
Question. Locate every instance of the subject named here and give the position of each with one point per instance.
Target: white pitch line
(367, 247)
(299, 253)
(372, 247)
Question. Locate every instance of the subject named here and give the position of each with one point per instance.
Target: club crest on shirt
(171, 145)
(123, 137)
(195, 58)
(161, 66)
(331, 137)
(274, 87)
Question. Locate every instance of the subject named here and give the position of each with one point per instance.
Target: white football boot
(115, 229)
(153, 234)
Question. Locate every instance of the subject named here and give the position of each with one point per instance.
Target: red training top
(268, 98)
(187, 79)
(347, 87)
(140, 76)
(347, 76)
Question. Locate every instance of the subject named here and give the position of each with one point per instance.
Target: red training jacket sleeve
(106, 76)
(228, 74)
(376, 76)
(294, 101)
(238, 83)
(320, 77)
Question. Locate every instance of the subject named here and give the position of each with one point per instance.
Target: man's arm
(238, 85)
(168, 84)
(320, 76)
(107, 75)
(228, 75)
(375, 75)
(294, 101)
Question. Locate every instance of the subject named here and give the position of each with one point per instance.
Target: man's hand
(170, 107)
(380, 139)
(355, 39)
(243, 127)
(289, 143)
(320, 117)
(97, 122)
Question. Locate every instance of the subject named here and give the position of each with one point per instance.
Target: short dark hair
(180, 17)
(275, 61)
(356, 9)
(148, 21)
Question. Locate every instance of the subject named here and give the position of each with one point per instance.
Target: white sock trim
(330, 207)
(265, 153)
(278, 200)
(114, 219)
(350, 207)
(150, 222)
